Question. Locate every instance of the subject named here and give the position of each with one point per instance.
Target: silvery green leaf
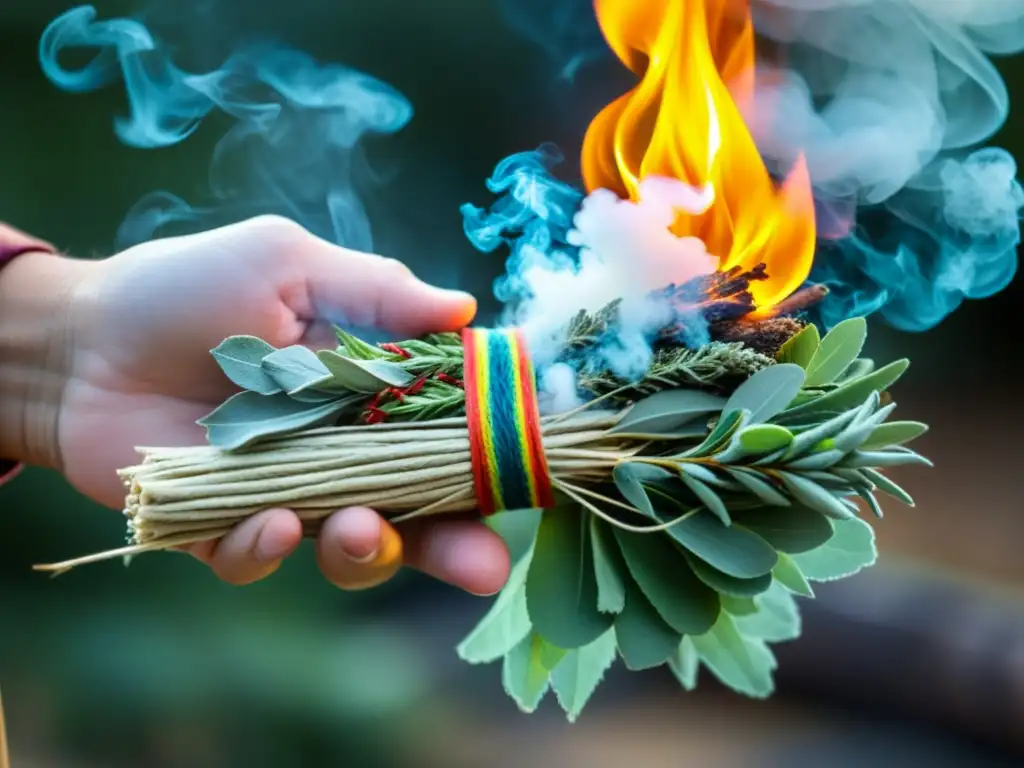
(577, 676)
(758, 486)
(734, 660)
(822, 460)
(523, 674)
(853, 393)
(872, 502)
(698, 471)
(793, 529)
(739, 606)
(777, 618)
(806, 441)
(885, 459)
(885, 485)
(239, 357)
(643, 637)
(295, 367)
(851, 548)
(770, 460)
(837, 351)
(629, 479)
(858, 368)
(787, 572)
(853, 437)
(894, 433)
(247, 417)
(800, 349)
(767, 392)
(703, 492)
(725, 584)
(365, 376)
(814, 496)
(684, 663)
(609, 569)
(505, 625)
(727, 424)
(669, 411)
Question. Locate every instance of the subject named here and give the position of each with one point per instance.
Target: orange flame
(695, 59)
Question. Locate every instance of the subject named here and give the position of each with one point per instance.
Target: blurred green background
(920, 661)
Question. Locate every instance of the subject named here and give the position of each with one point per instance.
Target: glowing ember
(695, 59)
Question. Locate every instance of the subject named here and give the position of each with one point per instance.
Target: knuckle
(278, 229)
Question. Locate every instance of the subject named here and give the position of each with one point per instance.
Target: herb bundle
(692, 504)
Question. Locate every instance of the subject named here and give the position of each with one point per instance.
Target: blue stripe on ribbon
(501, 404)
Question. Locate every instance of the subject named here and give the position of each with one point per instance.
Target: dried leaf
(767, 392)
(800, 349)
(643, 637)
(577, 676)
(240, 358)
(838, 350)
(669, 411)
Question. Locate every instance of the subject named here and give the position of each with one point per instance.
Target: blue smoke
(889, 101)
(293, 148)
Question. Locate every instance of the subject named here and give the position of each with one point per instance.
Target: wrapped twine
(500, 455)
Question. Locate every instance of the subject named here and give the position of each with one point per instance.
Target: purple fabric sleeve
(14, 243)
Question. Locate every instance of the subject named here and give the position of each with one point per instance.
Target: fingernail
(268, 547)
(360, 535)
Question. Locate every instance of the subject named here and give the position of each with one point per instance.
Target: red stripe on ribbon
(535, 439)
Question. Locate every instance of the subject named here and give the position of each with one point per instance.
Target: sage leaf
(800, 349)
(720, 435)
(767, 392)
(851, 548)
(758, 486)
(765, 438)
(857, 369)
(733, 549)
(684, 663)
(807, 440)
(504, 626)
(705, 494)
(788, 573)
(814, 496)
(576, 678)
(837, 352)
(885, 459)
(735, 660)
(644, 639)
(894, 433)
(247, 417)
(777, 618)
(885, 485)
(738, 606)
(668, 411)
(561, 588)
(872, 502)
(523, 675)
(725, 584)
(794, 529)
(365, 376)
(853, 393)
(294, 368)
(629, 478)
(239, 357)
(609, 569)
(816, 461)
(660, 570)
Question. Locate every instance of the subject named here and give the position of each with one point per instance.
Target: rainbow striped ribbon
(509, 467)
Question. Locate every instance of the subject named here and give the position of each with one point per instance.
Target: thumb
(363, 289)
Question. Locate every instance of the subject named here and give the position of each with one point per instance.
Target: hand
(138, 328)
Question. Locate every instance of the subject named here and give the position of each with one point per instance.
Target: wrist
(37, 292)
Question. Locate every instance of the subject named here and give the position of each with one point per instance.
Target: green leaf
(577, 676)
(365, 376)
(733, 549)
(885, 485)
(758, 486)
(551, 655)
(838, 350)
(504, 626)
(858, 368)
(246, 417)
(629, 479)
(789, 575)
(239, 357)
(668, 411)
(358, 349)
(800, 349)
(719, 436)
(734, 660)
(683, 664)
(853, 393)
(609, 568)
(851, 548)
(894, 433)
(765, 438)
(296, 368)
(793, 529)
(660, 570)
(739, 606)
(767, 392)
(705, 494)
(523, 674)
(644, 639)
(725, 584)
(895, 457)
(814, 496)
(561, 588)
(777, 618)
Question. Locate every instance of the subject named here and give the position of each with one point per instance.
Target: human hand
(134, 369)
